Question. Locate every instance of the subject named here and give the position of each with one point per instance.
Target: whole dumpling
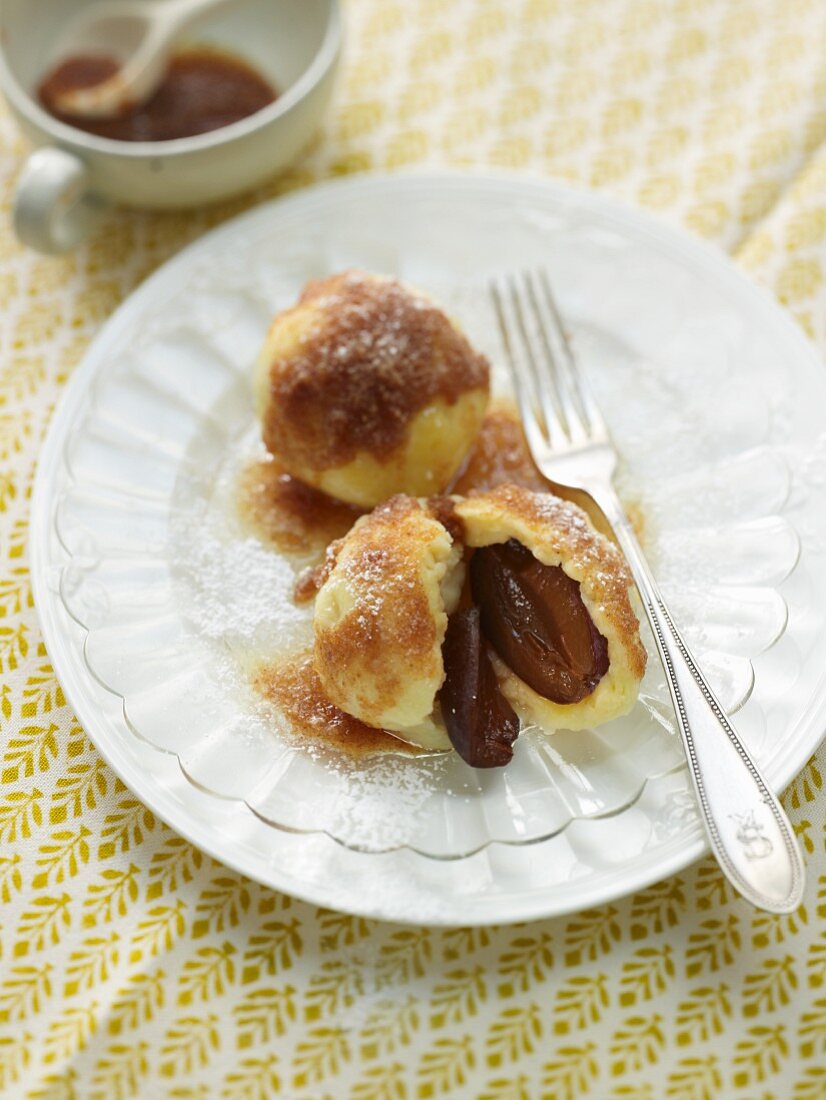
(380, 619)
(366, 389)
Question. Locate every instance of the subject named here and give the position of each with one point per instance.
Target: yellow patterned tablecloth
(131, 964)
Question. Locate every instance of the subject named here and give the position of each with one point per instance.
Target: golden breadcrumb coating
(380, 619)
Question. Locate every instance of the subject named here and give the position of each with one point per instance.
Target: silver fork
(749, 833)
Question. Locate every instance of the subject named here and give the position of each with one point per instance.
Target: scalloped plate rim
(645, 868)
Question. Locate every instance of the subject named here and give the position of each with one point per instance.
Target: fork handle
(748, 830)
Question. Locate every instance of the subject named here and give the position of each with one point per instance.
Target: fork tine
(593, 423)
(554, 379)
(523, 379)
(557, 430)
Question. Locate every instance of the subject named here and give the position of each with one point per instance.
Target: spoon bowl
(139, 37)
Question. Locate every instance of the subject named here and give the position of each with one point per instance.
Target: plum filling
(480, 722)
(535, 619)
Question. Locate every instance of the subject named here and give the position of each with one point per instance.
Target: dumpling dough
(559, 533)
(380, 619)
(365, 389)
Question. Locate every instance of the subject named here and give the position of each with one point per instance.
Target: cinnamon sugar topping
(286, 513)
(393, 611)
(310, 580)
(443, 510)
(294, 687)
(500, 456)
(375, 354)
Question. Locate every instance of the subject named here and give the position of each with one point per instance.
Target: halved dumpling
(583, 664)
(381, 616)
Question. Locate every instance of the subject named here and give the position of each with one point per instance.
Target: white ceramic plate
(711, 394)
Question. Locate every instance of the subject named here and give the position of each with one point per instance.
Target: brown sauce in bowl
(203, 90)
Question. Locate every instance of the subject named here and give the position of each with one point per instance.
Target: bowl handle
(54, 206)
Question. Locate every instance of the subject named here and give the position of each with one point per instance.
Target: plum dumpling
(381, 615)
(450, 621)
(365, 389)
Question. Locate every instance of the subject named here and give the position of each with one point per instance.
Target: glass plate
(179, 601)
(730, 467)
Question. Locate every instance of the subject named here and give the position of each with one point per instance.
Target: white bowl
(294, 43)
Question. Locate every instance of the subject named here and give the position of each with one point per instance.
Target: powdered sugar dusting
(235, 590)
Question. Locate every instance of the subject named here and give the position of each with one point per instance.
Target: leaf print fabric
(132, 965)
